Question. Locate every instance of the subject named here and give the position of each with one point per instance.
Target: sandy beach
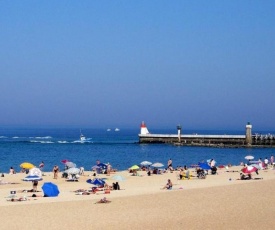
(219, 201)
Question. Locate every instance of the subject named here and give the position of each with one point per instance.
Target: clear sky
(201, 64)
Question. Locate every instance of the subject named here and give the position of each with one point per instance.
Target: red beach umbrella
(65, 161)
(249, 169)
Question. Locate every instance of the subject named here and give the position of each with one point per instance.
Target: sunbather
(103, 201)
(18, 199)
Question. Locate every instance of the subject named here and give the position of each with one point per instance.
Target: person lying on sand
(83, 193)
(27, 190)
(18, 199)
(80, 190)
(103, 201)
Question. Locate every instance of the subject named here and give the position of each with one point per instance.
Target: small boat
(82, 137)
(108, 130)
(117, 129)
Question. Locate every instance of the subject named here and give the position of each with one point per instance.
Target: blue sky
(201, 64)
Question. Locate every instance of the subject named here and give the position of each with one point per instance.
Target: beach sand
(219, 201)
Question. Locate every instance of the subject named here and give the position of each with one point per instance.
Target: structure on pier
(247, 140)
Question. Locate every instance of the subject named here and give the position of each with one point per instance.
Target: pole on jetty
(248, 134)
(179, 132)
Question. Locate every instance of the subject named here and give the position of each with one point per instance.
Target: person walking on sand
(55, 172)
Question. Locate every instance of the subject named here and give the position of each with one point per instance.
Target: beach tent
(50, 189)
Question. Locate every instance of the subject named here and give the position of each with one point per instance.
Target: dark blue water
(120, 149)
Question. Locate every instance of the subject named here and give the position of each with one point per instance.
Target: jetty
(234, 141)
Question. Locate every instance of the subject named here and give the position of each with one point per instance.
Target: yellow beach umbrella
(27, 165)
(135, 167)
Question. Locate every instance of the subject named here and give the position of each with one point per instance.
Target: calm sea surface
(120, 149)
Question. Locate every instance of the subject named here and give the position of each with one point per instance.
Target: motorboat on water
(82, 137)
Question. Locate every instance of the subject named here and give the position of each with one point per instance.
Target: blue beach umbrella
(96, 181)
(101, 165)
(204, 166)
(50, 189)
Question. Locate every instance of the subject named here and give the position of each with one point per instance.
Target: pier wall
(247, 140)
(207, 140)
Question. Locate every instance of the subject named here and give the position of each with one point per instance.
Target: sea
(119, 148)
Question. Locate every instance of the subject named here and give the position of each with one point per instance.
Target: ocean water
(121, 149)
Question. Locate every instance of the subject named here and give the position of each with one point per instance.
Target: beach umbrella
(209, 160)
(73, 171)
(249, 158)
(249, 169)
(50, 189)
(35, 172)
(27, 165)
(95, 167)
(157, 165)
(145, 163)
(134, 167)
(101, 165)
(65, 161)
(256, 166)
(32, 178)
(118, 178)
(70, 164)
(204, 166)
(96, 181)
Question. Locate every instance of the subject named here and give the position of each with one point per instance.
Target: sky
(103, 64)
